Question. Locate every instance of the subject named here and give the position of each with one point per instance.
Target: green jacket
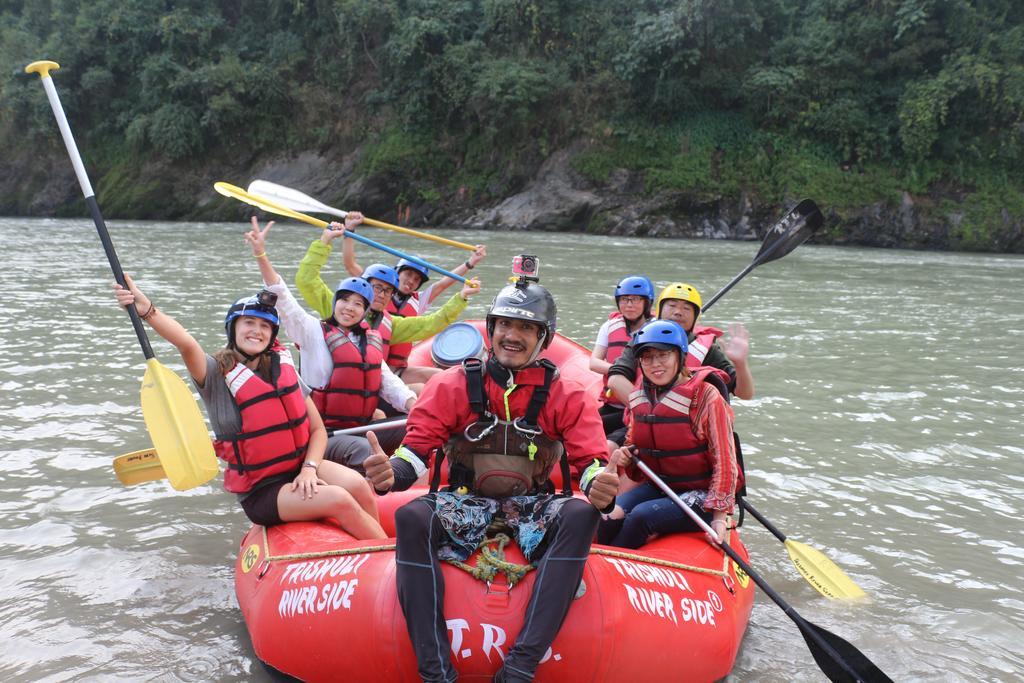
(320, 298)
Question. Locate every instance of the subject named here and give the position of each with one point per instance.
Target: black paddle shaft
(43, 69)
(762, 519)
(115, 265)
(840, 661)
(793, 230)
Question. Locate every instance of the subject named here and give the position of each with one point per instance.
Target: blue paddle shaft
(407, 257)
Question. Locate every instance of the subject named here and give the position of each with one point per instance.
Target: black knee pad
(413, 518)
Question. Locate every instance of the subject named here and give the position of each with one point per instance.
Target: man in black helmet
(504, 424)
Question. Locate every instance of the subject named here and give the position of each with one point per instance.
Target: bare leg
(329, 501)
(351, 481)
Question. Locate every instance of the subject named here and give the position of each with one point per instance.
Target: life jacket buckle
(483, 433)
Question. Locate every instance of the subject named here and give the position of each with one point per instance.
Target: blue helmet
(357, 285)
(636, 285)
(422, 270)
(660, 334)
(381, 272)
(261, 305)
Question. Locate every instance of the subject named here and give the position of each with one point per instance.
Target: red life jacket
(275, 424)
(618, 339)
(664, 436)
(398, 354)
(383, 328)
(350, 396)
(697, 350)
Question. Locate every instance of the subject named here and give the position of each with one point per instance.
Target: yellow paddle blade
(229, 190)
(822, 573)
(177, 428)
(138, 467)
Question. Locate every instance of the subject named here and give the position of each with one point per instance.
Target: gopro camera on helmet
(266, 298)
(527, 267)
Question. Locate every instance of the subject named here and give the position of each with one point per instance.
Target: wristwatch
(310, 464)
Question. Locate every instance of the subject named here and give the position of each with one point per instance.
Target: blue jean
(650, 512)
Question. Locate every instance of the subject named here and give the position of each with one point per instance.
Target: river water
(886, 432)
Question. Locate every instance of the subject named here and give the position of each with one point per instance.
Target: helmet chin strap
(540, 346)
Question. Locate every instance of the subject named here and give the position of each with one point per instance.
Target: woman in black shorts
(267, 429)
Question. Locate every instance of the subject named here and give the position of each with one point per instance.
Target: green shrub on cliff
(848, 101)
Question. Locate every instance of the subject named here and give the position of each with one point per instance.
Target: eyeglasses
(384, 289)
(630, 299)
(659, 357)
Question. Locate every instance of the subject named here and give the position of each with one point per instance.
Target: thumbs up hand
(378, 466)
(605, 486)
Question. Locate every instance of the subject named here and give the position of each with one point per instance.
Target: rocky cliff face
(555, 198)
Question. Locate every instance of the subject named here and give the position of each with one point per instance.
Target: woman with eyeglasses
(266, 427)
(634, 296)
(408, 324)
(680, 425)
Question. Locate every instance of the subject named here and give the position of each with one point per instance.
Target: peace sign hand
(257, 237)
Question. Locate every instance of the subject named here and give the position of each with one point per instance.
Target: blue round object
(456, 343)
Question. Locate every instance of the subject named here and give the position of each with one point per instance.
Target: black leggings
(611, 416)
(421, 587)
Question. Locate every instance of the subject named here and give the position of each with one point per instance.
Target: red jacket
(569, 415)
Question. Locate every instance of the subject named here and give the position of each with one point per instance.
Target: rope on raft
(492, 560)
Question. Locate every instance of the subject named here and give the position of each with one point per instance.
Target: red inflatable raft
(322, 606)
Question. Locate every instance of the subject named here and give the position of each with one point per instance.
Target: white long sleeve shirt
(315, 360)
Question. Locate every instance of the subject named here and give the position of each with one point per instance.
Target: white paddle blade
(291, 198)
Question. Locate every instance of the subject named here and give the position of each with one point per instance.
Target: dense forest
(855, 103)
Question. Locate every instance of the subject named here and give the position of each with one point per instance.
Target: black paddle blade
(846, 664)
(790, 232)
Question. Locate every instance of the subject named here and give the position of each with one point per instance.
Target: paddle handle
(804, 626)
(43, 69)
(761, 518)
(394, 252)
(362, 429)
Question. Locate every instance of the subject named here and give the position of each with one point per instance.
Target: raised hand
(257, 238)
(737, 345)
(471, 287)
(131, 295)
(352, 219)
(333, 231)
(479, 254)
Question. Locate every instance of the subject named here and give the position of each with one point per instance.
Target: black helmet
(525, 301)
